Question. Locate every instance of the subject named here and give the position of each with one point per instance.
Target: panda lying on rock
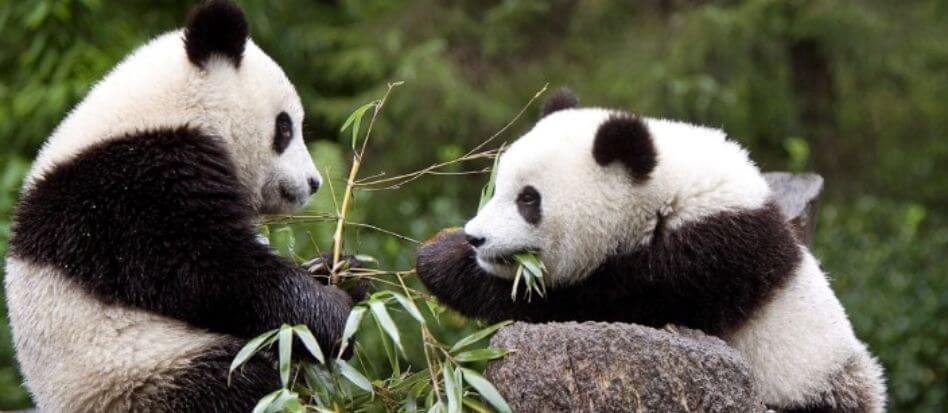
(657, 222)
(134, 274)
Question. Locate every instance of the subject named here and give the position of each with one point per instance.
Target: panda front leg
(447, 265)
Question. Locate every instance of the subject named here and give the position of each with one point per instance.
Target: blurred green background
(854, 90)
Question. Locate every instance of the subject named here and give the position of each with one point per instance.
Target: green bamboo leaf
(478, 335)
(309, 341)
(353, 375)
(516, 284)
(409, 306)
(355, 119)
(437, 407)
(286, 349)
(280, 403)
(352, 326)
(385, 320)
(482, 354)
(266, 401)
(252, 347)
(487, 391)
(453, 390)
(488, 192)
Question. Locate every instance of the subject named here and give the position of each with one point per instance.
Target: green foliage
(852, 90)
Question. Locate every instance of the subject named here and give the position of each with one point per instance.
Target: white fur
(699, 173)
(800, 339)
(79, 354)
(158, 87)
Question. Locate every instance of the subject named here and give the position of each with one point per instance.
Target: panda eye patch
(284, 132)
(528, 204)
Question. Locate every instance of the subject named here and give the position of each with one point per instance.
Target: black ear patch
(216, 26)
(625, 138)
(561, 99)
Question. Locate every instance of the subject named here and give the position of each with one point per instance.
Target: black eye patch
(284, 132)
(528, 204)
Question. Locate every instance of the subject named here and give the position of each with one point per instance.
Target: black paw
(322, 267)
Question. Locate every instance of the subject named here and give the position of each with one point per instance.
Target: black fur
(216, 27)
(529, 204)
(710, 275)
(160, 222)
(626, 138)
(203, 385)
(561, 99)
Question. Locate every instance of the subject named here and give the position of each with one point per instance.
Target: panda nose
(475, 241)
(313, 185)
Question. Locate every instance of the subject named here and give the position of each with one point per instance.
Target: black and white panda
(657, 222)
(134, 272)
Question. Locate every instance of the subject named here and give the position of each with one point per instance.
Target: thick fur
(133, 275)
(656, 222)
(216, 27)
(561, 99)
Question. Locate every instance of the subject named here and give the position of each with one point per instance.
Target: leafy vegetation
(852, 90)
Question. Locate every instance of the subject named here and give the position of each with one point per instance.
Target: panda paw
(321, 267)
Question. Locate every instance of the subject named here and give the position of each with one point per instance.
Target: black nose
(475, 241)
(313, 185)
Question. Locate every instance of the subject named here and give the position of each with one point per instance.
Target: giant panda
(134, 273)
(657, 222)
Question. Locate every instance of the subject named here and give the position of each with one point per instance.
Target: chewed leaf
(409, 306)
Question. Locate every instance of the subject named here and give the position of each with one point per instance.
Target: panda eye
(528, 196)
(284, 132)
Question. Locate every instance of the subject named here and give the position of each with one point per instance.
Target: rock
(616, 367)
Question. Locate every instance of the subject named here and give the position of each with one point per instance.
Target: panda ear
(625, 138)
(216, 27)
(561, 99)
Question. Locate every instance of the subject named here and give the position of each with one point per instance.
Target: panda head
(240, 94)
(587, 184)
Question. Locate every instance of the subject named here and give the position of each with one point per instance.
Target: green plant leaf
(309, 341)
(487, 391)
(478, 335)
(266, 401)
(385, 320)
(353, 375)
(286, 350)
(482, 354)
(409, 306)
(452, 389)
(355, 120)
(249, 349)
(488, 192)
(352, 326)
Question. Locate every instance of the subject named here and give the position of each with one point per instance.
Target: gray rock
(616, 367)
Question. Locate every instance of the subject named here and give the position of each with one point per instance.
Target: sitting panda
(657, 222)
(134, 273)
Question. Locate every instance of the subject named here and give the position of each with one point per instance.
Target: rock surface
(615, 367)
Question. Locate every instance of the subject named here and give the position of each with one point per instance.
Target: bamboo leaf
(355, 120)
(487, 391)
(478, 335)
(482, 354)
(252, 347)
(286, 349)
(409, 306)
(353, 375)
(385, 320)
(452, 389)
(488, 192)
(266, 401)
(309, 341)
(352, 326)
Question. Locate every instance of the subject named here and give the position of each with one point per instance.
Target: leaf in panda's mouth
(531, 271)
